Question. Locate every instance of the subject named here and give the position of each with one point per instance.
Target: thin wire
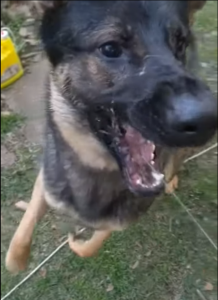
(35, 270)
(40, 266)
(66, 241)
(195, 221)
(201, 295)
(201, 153)
(183, 205)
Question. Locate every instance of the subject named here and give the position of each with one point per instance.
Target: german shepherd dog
(123, 111)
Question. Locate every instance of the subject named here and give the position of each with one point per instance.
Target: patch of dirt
(4, 105)
(8, 158)
(12, 145)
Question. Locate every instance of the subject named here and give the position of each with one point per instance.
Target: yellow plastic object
(11, 68)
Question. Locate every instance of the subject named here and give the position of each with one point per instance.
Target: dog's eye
(111, 49)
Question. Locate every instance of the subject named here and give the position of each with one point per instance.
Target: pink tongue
(140, 149)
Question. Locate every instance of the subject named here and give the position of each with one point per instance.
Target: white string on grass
(195, 221)
(200, 295)
(201, 153)
(35, 270)
(186, 209)
(65, 242)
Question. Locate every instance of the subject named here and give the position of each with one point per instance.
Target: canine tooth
(138, 181)
(152, 156)
(158, 177)
(152, 162)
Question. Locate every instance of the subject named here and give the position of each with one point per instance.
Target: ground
(163, 257)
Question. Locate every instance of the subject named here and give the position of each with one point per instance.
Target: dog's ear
(194, 6)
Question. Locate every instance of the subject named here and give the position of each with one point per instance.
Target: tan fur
(19, 249)
(89, 150)
(91, 247)
(172, 185)
(173, 166)
(20, 246)
(61, 208)
(58, 206)
(98, 73)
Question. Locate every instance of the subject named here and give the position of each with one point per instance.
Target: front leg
(19, 249)
(172, 185)
(89, 248)
(174, 163)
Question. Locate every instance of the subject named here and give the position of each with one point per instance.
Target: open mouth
(139, 161)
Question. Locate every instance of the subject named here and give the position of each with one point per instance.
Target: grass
(14, 24)
(163, 257)
(9, 122)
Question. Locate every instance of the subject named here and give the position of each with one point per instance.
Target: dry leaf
(208, 287)
(136, 264)
(110, 288)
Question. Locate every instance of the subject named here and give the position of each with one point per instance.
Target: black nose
(180, 115)
(191, 119)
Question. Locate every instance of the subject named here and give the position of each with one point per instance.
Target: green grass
(14, 24)
(206, 20)
(173, 256)
(9, 123)
(163, 257)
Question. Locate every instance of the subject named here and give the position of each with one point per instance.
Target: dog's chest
(93, 194)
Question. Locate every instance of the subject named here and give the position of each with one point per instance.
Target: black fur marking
(148, 87)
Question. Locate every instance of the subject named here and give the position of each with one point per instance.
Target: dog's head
(122, 66)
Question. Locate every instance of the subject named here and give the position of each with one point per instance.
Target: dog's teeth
(152, 162)
(152, 156)
(151, 144)
(158, 177)
(139, 181)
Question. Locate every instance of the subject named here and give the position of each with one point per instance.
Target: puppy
(123, 112)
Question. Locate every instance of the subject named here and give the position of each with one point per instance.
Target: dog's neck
(80, 138)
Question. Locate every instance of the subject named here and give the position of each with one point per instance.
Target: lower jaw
(146, 192)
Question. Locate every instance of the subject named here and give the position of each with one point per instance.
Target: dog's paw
(80, 247)
(16, 259)
(21, 205)
(172, 185)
